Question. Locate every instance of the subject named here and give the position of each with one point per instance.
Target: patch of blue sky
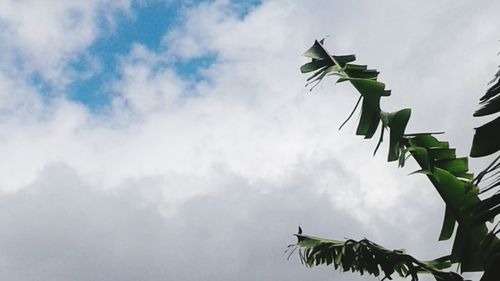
(243, 8)
(190, 69)
(147, 25)
(42, 86)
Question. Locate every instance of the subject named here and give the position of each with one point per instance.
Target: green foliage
(486, 137)
(474, 248)
(365, 256)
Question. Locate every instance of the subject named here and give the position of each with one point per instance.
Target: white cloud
(146, 86)
(85, 233)
(17, 96)
(44, 36)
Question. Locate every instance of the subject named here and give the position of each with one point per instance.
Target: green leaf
(320, 74)
(316, 64)
(448, 225)
(428, 141)
(423, 172)
(316, 51)
(493, 90)
(402, 157)
(307, 243)
(486, 139)
(439, 153)
(370, 116)
(455, 166)
(352, 112)
(467, 249)
(368, 87)
(344, 59)
(488, 215)
(356, 67)
(467, 245)
(467, 177)
(385, 117)
(486, 204)
(440, 263)
(360, 71)
(380, 140)
(491, 100)
(397, 125)
(421, 156)
(491, 107)
(366, 256)
(487, 209)
(492, 270)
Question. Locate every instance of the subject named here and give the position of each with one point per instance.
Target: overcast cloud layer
(207, 178)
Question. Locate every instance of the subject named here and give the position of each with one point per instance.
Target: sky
(175, 140)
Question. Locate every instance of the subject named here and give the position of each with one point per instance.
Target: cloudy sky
(175, 140)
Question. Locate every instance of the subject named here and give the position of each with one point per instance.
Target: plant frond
(365, 256)
(485, 140)
(448, 173)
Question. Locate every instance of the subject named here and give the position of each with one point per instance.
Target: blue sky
(175, 140)
(146, 25)
(148, 22)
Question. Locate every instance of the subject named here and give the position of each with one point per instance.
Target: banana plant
(475, 248)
